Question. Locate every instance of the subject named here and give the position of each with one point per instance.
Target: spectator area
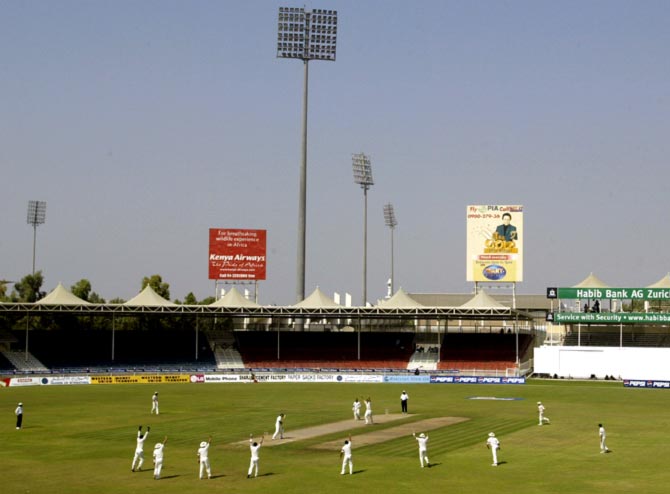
(261, 349)
(494, 351)
(88, 348)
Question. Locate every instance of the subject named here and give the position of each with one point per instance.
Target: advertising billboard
(236, 254)
(494, 243)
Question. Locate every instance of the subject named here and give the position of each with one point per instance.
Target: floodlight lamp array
(37, 211)
(362, 170)
(389, 216)
(307, 35)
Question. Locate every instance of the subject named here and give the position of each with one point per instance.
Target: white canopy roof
(149, 298)
(317, 300)
(483, 301)
(591, 281)
(662, 283)
(234, 299)
(400, 300)
(61, 296)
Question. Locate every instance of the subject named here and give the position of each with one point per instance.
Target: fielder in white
(423, 448)
(368, 410)
(158, 458)
(345, 454)
(254, 447)
(540, 410)
(138, 459)
(203, 459)
(279, 426)
(154, 403)
(602, 435)
(493, 444)
(356, 408)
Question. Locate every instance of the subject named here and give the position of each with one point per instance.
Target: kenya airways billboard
(237, 254)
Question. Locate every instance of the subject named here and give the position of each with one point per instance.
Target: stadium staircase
(225, 350)
(24, 363)
(424, 358)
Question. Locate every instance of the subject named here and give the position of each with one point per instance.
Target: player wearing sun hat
(422, 439)
(203, 459)
(493, 444)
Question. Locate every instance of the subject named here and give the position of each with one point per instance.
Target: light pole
(37, 212)
(391, 222)
(305, 35)
(363, 177)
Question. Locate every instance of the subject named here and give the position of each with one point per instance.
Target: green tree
(29, 288)
(156, 283)
(81, 289)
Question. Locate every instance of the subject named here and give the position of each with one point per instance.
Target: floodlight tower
(37, 212)
(305, 35)
(391, 222)
(363, 177)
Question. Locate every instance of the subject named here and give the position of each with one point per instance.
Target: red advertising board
(236, 254)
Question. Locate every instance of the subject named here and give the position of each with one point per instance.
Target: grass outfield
(81, 439)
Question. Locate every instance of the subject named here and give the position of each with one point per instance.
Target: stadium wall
(583, 362)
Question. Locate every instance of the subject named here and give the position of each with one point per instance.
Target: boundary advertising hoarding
(236, 254)
(494, 243)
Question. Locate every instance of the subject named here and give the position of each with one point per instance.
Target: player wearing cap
(254, 446)
(203, 459)
(540, 410)
(138, 459)
(19, 416)
(422, 439)
(154, 403)
(493, 444)
(345, 454)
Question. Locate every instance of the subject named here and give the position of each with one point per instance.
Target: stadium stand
(294, 349)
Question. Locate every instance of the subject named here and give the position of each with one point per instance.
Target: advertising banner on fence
(476, 380)
(494, 243)
(141, 379)
(66, 380)
(643, 383)
(236, 254)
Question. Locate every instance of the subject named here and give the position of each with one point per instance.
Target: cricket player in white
(279, 427)
(158, 458)
(203, 458)
(602, 435)
(345, 454)
(493, 444)
(540, 409)
(254, 447)
(19, 416)
(423, 448)
(154, 403)
(368, 411)
(356, 409)
(138, 459)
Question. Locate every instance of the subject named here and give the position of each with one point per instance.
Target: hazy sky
(145, 123)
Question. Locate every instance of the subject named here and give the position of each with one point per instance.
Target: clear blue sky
(145, 123)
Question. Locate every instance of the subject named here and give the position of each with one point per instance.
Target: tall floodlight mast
(37, 212)
(363, 177)
(305, 35)
(391, 222)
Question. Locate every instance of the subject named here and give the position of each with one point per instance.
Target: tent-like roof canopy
(591, 281)
(400, 300)
(233, 299)
(149, 298)
(483, 301)
(662, 283)
(61, 296)
(316, 300)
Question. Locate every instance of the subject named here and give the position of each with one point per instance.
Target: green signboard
(611, 318)
(615, 293)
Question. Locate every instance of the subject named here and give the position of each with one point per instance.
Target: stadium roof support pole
(113, 335)
(196, 337)
(27, 326)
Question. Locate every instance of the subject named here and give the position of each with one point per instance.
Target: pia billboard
(236, 254)
(494, 243)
